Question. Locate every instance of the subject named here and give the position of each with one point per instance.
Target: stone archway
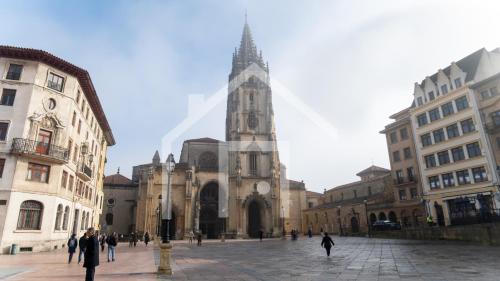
(354, 225)
(393, 217)
(254, 219)
(257, 216)
(210, 224)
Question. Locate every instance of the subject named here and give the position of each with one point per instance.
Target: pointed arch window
(65, 218)
(252, 120)
(58, 217)
(253, 163)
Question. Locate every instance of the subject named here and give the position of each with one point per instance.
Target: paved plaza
(352, 259)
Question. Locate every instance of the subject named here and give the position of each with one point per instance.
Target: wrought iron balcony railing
(84, 172)
(41, 150)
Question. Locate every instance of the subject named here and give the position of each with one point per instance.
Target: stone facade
(53, 141)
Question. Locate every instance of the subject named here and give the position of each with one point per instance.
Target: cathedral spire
(247, 53)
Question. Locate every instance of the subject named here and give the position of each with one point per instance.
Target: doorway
(210, 223)
(254, 219)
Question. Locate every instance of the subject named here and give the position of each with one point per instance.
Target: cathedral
(237, 187)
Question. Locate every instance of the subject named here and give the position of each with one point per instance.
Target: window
(467, 126)
(434, 114)
(71, 182)
(438, 135)
(448, 180)
(78, 94)
(369, 190)
(394, 137)
(14, 72)
(411, 174)
(419, 101)
(79, 126)
(444, 89)
(65, 218)
(75, 154)
(64, 179)
(355, 193)
(431, 95)
(4, 127)
(473, 149)
(495, 116)
(30, 215)
(426, 139)
(461, 103)
(2, 166)
(485, 95)
(73, 120)
(494, 92)
(55, 82)
(443, 157)
(452, 131)
(8, 96)
(458, 154)
(58, 217)
(310, 204)
(422, 119)
(403, 133)
(458, 83)
(413, 193)
(434, 182)
(479, 174)
(402, 194)
(83, 105)
(447, 109)
(251, 98)
(463, 177)
(399, 176)
(253, 163)
(407, 153)
(395, 156)
(430, 161)
(37, 172)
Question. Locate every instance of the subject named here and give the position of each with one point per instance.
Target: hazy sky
(353, 62)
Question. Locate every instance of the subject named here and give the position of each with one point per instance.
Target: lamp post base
(164, 267)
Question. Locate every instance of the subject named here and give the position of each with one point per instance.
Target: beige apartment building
(455, 139)
(405, 172)
(53, 141)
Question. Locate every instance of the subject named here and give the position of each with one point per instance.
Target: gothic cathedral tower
(254, 169)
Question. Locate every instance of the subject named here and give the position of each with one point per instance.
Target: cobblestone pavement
(352, 259)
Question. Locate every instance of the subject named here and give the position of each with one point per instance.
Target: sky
(353, 63)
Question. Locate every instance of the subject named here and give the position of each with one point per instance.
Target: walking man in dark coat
(72, 245)
(327, 242)
(261, 235)
(199, 238)
(82, 244)
(146, 238)
(91, 255)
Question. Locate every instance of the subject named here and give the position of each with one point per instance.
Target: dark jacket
(111, 241)
(82, 243)
(327, 242)
(72, 245)
(92, 252)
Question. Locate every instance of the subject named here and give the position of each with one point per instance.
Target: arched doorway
(254, 219)
(354, 225)
(382, 217)
(373, 218)
(171, 226)
(393, 217)
(210, 223)
(439, 214)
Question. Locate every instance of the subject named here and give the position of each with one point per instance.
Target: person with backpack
(327, 243)
(72, 245)
(112, 242)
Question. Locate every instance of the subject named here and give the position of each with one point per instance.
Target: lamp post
(166, 201)
(340, 220)
(283, 221)
(165, 246)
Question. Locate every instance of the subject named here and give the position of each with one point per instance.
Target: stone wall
(487, 234)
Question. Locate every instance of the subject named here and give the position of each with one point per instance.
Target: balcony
(40, 151)
(405, 181)
(84, 172)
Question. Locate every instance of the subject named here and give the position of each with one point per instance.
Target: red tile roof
(118, 179)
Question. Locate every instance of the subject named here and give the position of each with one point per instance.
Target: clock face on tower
(252, 120)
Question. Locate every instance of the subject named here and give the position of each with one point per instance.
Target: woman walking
(327, 242)
(146, 238)
(72, 245)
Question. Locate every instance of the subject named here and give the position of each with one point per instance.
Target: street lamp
(166, 201)
(283, 221)
(366, 214)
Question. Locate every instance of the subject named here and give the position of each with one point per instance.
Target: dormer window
(444, 89)
(458, 83)
(55, 82)
(431, 95)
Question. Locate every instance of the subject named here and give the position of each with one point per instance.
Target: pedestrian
(191, 237)
(261, 235)
(327, 242)
(309, 233)
(131, 239)
(146, 238)
(199, 238)
(134, 236)
(91, 255)
(82, 245)
(321, 231)
(102, 241)
(72, 245)
(111, 241)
